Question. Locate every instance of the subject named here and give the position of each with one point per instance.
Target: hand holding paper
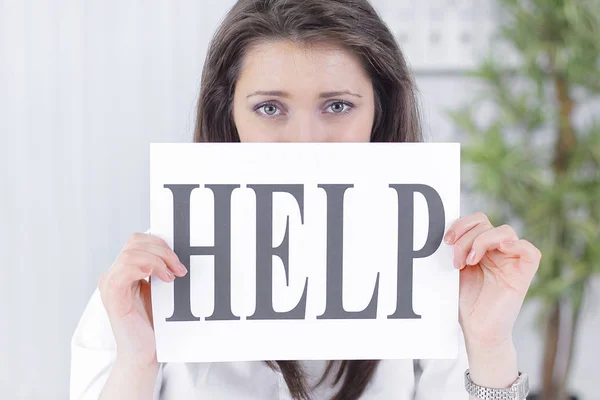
(496, 269)
(125, 294)
(314, 261)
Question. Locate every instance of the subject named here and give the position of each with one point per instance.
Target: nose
(305, 127)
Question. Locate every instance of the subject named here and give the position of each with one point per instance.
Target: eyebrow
(280, 93)
(338, 93)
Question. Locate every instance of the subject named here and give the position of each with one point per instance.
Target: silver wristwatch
(518, 391)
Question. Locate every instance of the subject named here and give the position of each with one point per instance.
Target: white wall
(84, 87)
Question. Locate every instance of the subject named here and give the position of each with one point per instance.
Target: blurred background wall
(85, 86)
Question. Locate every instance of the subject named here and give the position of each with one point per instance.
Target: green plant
(535, 156)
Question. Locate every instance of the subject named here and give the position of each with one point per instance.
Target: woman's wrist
(131, 361)
(492, 365)
(130, 379)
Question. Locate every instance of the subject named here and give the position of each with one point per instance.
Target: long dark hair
(351, 24)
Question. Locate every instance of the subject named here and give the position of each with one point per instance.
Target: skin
(321, 93)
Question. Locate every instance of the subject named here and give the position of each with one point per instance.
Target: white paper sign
(300, 251)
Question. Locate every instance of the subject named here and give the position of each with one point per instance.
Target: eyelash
(262, 105)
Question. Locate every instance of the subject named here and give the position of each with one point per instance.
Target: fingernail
(182, 268)
(510, 243)
(169, 275)
(471, 258)
(449, 238)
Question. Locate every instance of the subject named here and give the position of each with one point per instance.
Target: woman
(304, 70)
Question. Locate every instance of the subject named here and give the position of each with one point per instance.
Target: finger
(164, 252)
(463, 245)
(464, 224)
(146, 238)
(121, 276)
(490, 240)
(130, 268)
(133, 265)
(523, 249)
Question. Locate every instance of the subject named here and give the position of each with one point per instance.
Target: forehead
(278, 64)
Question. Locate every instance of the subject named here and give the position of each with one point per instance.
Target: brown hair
(352, 24)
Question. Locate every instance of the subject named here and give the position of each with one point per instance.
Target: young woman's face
(292, 93)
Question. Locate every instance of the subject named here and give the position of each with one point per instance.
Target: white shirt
(93, 351)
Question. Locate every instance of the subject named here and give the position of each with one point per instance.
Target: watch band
(517, 391)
